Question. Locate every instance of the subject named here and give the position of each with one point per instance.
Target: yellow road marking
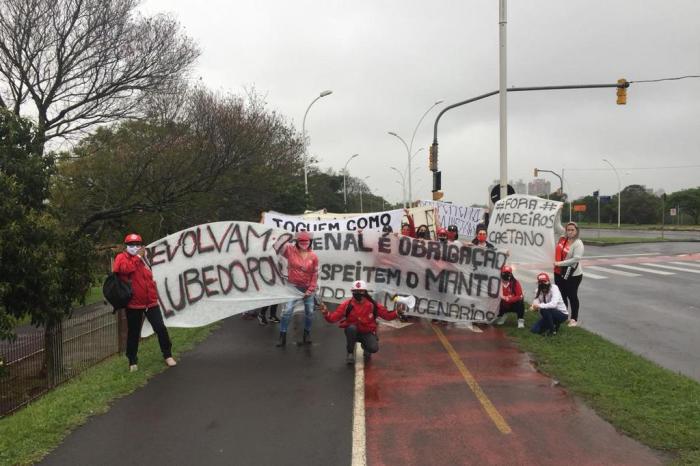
(490, 409)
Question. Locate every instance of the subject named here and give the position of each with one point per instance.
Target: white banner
(525, 226)
(466, 218)
(370, 221)
(209, 272)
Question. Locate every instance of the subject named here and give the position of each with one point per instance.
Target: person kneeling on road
(359, 319)
(550, 304)
(511, 297)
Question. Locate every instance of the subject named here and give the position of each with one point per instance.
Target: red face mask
(481, 236)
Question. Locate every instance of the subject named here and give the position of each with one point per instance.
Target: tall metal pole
(619, 191)
(303, 135)
(403, 184)
(410, 148)
(345, 190)
(503, 95)
(362, 188)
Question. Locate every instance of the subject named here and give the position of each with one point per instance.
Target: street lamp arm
(561, 180)
(415, 130)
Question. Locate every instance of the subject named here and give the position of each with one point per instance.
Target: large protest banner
(370, 221)
(212, 271)
(465, 218)
(525, 225)
(209, 272)
(450, 281)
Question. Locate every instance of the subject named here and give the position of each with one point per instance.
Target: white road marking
(359, 447)
(588, 274)
(621, 255)
(692, 264)
(642, 269)
(612, 271)
(670, 267)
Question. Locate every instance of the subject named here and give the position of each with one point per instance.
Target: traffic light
(433, 159)
(535, 173)
(437, 181)
(596, 193)
(622, 91)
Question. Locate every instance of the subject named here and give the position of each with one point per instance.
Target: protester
(408, 228)
(131, 267)
(452, 233)
(568, 272)
(550, 304)
(480, 240)
(359, 319)
(511, 297)
(442, 234)
(302, 273)
(423, 232)
(271, 310)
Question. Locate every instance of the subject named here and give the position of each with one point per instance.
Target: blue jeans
(308, 313)
(550, 321)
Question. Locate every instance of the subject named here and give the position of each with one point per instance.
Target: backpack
(116, 291)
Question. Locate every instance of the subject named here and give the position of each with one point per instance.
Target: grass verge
(31, 433)
(608, 240)
(647, 402)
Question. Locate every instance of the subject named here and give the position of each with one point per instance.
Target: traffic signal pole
(621, 85)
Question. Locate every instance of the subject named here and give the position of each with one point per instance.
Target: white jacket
(552, 300)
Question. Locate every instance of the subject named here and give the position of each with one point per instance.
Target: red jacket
(511, 292)
(301, 271)
(130, 268)
(361, 315)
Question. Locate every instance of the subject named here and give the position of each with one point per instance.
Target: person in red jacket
(358, 317)
(131, 266)
(511, 297)
(302, 273)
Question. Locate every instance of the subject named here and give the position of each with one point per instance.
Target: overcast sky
(387, 62)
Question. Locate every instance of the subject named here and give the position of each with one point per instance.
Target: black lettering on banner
(334, 226)
(411, 279)
(433, 251)
(384, 245)
(153, 254)
(361, 244)
(202, 249)
(277, 221)
(350, 225)
(432, 280)
(182, 302)
(191, 277)
(192, 243)
(208, 281)
(332, 242)
(362, 223)
(494, 286)
(224, 272)
(404, 245)
(253, 267)
(282, 241)
(236, 265)
(393, 275)
(349, 273)
(265, 235)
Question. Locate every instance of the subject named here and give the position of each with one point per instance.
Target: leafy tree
(638, 205)
(43, 268)
(688, 200)
(75, 64)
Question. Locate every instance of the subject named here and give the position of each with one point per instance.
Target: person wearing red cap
(550, 304)
(452, 233)
(358, 316)
(442, 234)
(511, 297)
(131, 267)
(302, 273)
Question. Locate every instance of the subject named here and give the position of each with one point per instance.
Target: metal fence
(30, 370)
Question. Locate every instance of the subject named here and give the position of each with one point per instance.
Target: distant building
(519, 186)
(539, 187)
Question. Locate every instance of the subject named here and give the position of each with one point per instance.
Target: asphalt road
(656, 316)
(593, 233)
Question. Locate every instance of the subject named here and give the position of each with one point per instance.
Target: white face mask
(133, 250)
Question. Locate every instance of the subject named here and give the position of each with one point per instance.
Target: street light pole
(619, 191)
(409, 147)
(303, 135)
(345, 190)
(362, 188)
(403, 188)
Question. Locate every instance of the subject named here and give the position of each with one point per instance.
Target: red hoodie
(511, 291)
(301, 271)
(361, 315)
(144, 293)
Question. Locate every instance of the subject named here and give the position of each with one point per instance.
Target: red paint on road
(420, 411)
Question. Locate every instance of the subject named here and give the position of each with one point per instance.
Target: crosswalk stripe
(612, 271)
(594, 276)
(692, 264)
(670, 267)
(642, 269)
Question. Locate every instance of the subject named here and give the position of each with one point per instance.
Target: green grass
(603, 240)
(32, 432)
(651, 404)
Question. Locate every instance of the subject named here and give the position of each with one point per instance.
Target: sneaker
(262, 320)
(521, 323)
(350, 358)
(573, 323)
(170, 362)
(133, 368)
(274, 320)
(501, 320)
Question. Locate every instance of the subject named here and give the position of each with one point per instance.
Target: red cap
(543, 277)
(442, 231)
(132, 238)
(507, 269)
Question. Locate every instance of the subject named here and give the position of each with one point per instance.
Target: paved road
(653, 310)
(593, 233)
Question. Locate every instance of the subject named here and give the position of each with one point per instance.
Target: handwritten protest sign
(525, 226)
(465, 218)
(370, 221)
(212, 271)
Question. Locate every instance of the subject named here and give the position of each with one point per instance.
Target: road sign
(496, 192)
(579, 207)
(604, 199)
(673, 212)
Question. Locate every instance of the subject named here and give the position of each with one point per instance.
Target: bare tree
(73, 64)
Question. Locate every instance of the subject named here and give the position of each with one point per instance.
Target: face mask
(505, 277)
(543, 287)
(133, 250)
(481, 236)
(358, 295)
(442, 238)
(304, 244)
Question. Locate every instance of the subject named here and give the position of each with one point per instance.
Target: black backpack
(116, 291)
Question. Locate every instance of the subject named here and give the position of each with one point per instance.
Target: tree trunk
(53, 353)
